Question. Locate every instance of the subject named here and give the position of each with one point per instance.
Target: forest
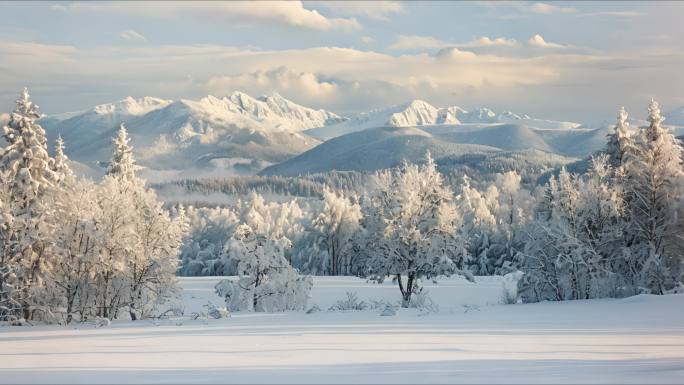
(73, 249)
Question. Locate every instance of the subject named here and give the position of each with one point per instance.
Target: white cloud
(538, 41)
(304, 86)
(547, 9)
(343, 80)
(130, 34)
(487, 42)
(413, 42)
(288, 13)
(377, 10)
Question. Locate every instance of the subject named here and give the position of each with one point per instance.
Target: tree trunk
(406, 293)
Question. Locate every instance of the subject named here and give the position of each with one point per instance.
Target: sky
(575, 61)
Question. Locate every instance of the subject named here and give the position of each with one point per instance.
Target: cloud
(547, 9)
(287, 13)
(539, 42)
(66, 78)
(523, 10)
(303, 86)
(487, 42)
(376, 10)
(367, 40)
(130, 34)
(413, 42)
(613, 14)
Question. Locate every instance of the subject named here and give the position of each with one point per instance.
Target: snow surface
(633, 340)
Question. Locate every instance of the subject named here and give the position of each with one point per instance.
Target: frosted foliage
(209, 231)
(266, 281)
(411, 220)
(122, 164)
(620, 141)
(61, 163)
(654, 185)
(331, 249)
(29, 181)
(493, 221)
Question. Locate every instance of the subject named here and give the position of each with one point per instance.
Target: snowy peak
(417, 113)
(131, 106)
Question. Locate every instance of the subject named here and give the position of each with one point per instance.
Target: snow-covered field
(633, 340)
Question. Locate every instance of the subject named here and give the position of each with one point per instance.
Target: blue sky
(563, 60)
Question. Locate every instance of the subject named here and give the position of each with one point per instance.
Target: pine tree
(61, 163)
(30, 180)
(123, 165)
(620, 141)
(653, 181)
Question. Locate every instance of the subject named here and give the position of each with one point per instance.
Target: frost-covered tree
(573, 243)
(331, 232)
(30, 179)
(210, 229)
(123, 163)
(10, 299)
(266, 281)
(478, 226)
(151, 267)
(411, 223)
(653, 174)
(140, 240)
(620, 141)
(77, 249)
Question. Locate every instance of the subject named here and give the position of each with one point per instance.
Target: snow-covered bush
(266, 281)
(352, 302)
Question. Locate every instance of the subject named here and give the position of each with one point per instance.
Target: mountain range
(241, 134)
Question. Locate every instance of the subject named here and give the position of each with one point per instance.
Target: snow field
(633, 340)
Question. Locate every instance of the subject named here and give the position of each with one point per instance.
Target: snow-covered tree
(77, 249)
(123, 163)
(61, 164)
(478, 226)
(573, 243)
(653, 174)
(331, 232)
(30, 179)
(151, 266)
(210, 229)
(266, 281)
(10, 299)
(411, 225)
(620, 141)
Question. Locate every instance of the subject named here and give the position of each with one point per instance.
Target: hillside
(210, 136)
(372, 149)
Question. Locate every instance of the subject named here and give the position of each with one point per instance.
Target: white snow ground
(633, 340)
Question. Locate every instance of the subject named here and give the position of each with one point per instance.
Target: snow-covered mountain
(241, 134)
(372, 149)
(377, 148)
(420, 113)
(218, 136)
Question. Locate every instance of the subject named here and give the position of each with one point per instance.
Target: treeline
(614, 230)
(308, 186)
